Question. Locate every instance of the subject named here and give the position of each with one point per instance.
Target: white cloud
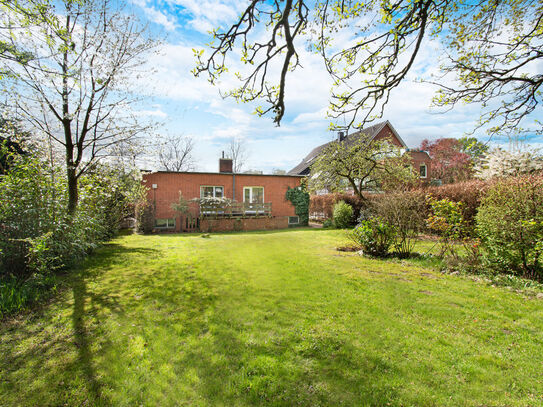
(215, 120)
(152, 113)
(156, 16)
(208, 14)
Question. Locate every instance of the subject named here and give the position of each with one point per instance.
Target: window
(423, 170)
(293, 220)
(253, 194)
(165, 223)
(211, 192)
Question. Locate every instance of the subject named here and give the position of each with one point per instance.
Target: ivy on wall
(300, 199)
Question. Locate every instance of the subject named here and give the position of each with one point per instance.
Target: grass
(277, 318)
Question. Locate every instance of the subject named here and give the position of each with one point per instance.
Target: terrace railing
(235, 210)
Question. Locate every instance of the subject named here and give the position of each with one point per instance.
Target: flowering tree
(76, 94)
(502, 163)
(449, 162)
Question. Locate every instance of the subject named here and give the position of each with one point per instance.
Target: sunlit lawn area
(270, 319)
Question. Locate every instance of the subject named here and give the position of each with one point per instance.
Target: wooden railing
(235, 209)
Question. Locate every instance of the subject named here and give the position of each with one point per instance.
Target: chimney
(340, 136)
(225, 164)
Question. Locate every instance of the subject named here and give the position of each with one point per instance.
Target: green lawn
(270, 319)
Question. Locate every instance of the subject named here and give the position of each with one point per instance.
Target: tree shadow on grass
(48, 354)
(305, 367)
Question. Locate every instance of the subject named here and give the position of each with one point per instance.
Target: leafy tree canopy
(489, 54)
(362, 164)
(449, 161)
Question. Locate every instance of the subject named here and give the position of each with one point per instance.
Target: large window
(165, 223)
(253, 194)
(211, 192)
(423, 170)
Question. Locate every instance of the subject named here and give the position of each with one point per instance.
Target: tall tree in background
(237, 151)
(490, 53)
(175, 153)
(361, 164)
(77, 94)
(474, 148)
(449, 162)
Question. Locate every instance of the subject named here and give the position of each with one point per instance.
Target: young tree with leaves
(490, 53)
(77, 95)
(361, 164)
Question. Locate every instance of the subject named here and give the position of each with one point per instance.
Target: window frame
(425, 170)
(214, 191)
(168, 226)
(250, 188)
(294, 223)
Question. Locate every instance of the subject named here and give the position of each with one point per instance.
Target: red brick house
(257, 200)
(421, 161)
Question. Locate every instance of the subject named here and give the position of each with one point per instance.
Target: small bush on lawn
(406, 212)
(374, 236)
(328, 224)
(510, 225)
(343, 215)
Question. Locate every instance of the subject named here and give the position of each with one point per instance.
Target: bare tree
(237, 151)
(78, 93)
(175, 153)
(491, 52)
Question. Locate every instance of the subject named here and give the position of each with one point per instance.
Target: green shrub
(328, 224)
(38, 236)
(374, 236)
(406, 212)
(447, 220)
(343, 215)
(510, 225)
(300, 199)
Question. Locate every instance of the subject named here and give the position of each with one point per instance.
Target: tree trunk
(73, 196)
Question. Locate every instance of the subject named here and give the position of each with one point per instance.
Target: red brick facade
(419, 159)
(163, 190)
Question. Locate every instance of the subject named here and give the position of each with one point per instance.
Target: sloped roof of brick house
(372, 131)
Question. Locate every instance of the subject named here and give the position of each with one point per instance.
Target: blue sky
(190, 106)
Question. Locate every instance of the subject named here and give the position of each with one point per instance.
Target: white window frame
(250, 188)
(168, 225)
(425, 170)
(214, 190)
(292, 218)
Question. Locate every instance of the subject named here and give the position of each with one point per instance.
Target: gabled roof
(372, 131)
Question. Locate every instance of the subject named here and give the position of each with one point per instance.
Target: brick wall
(168, 185)
(417, 159)
(386, 133)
